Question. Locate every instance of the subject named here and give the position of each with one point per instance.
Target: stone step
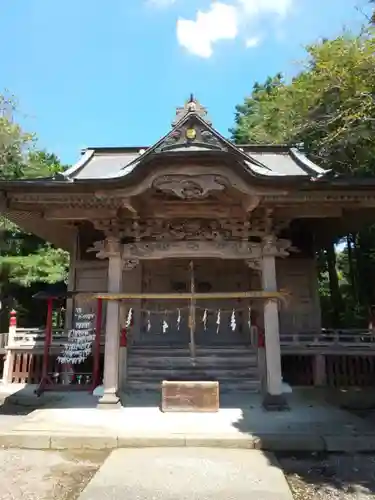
(224, 385)
(190, 374)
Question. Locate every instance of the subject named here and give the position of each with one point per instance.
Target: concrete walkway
(71, 421)
(200, 474)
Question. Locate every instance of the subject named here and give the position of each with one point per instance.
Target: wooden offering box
(190, 396)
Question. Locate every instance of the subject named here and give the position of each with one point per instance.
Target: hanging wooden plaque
(179, 396)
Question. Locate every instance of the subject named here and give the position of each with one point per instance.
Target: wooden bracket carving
(129, 264)
(254, 264)
(110, 247)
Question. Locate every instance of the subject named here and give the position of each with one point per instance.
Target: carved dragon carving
(190, 187)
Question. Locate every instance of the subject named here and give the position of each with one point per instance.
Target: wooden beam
(265, 295)
(79, 214)
(310, 212)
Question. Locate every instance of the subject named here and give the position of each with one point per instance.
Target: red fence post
(13, 319)
(12, 327)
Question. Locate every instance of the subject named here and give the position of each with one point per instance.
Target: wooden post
(110, 398)
(47, 343)
(319, 370)
(98, 328)
(274, 398)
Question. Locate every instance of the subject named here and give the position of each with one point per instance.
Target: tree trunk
(336, 301)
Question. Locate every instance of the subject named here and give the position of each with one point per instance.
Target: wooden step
(207, 351)
(234, 367)
(210, 373)
(182, 362)
(224, 386)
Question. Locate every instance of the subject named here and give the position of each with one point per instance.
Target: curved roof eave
(75, 169)
(145, 168)
(309, 166)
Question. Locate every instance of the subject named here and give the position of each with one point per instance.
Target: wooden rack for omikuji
(46, 381)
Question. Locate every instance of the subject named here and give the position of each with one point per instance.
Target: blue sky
(94, 73)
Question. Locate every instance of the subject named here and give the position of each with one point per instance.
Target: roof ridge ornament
(192, 105)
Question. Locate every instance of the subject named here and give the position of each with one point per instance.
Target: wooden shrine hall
(202, 253)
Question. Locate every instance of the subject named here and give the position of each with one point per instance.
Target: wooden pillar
(110, 398)
(69, 311)
(274, 398)
(319, 370)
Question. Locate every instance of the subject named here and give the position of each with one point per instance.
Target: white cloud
(225, 21)
(252, 42)
(220, 22)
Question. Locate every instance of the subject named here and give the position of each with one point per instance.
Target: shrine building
(202, 251)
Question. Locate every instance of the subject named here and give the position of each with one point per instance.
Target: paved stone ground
(45, 475)
(188, 474)
(242, 414)
(193, 474)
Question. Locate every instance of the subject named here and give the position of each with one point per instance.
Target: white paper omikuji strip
(81, 333)
(83, 325)
(78, 345)
(74, 354)
(204, 319)
(233, 321)
(86, 338)
(129, 318)
(81, 354)
(218, 321)
(85, 317)
(71, 360)
(164, 326)
(80, 340)
(74, 348)
(178, 319)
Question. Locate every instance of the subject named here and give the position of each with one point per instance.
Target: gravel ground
(335, 477)
(45, 475)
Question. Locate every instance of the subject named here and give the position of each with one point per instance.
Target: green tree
(14, 142)
(330, 108)
(26, 261)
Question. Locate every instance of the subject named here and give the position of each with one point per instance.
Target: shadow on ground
(322, 475)
(334, 476)
(23, 400)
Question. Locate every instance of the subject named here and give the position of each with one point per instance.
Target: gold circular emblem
(191, 133)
